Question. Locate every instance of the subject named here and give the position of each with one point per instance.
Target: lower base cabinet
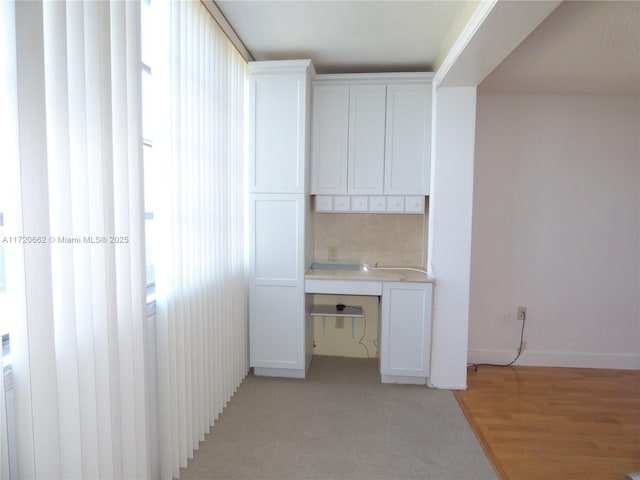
(405, 346)
(278, 340)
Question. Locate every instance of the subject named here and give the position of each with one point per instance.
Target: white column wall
(450, 215)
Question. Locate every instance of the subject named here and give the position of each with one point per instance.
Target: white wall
(449, 255)
(556, 223)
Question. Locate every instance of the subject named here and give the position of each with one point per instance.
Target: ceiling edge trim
(493, 32)
(472, 26)
(228, 30)
(384, 77)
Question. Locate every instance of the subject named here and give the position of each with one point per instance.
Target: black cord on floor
(362, 338)
(476, 365)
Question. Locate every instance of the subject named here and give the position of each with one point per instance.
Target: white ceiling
(342, 36)
(582, 46)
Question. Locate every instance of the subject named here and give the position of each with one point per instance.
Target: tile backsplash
(387, 239)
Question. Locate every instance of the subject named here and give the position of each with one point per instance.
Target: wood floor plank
(546, 423)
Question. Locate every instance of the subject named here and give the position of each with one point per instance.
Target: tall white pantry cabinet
(280, 230)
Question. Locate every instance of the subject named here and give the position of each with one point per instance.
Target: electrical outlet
(522, 313)
(333, 253)
(339, 322)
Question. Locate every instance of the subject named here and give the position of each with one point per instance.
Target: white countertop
(369, 275)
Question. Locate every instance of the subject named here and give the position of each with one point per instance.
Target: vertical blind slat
(81, 221)
(39, 402)
(60, 202)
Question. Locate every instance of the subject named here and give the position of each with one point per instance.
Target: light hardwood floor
(556, 423)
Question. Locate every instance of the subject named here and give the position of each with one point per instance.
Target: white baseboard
(553, 359)
(404, 380)
(279, 372)
(447, 386)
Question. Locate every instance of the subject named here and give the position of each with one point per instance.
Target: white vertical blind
(200, 276)
(4, 445)
(79, 344)
(8, 206)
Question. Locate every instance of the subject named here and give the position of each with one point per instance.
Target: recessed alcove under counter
(405, 295)
(343, 244)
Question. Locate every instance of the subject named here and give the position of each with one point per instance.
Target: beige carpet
(339, 423)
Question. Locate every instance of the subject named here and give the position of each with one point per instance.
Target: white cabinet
(329, 141)
(408, 140)
(369, 204)
(347, 141)
(359, 204)
(414, 204)
(278, 127)
(366, 139)
(371, 134)
(395, 204)
(378, 204)
(280, 233)
(405, 345)
(276, 284)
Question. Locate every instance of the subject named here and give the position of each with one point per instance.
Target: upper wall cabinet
(279, 102)
(330, 120)
(371, 134)
(407, 167)
(366, 139)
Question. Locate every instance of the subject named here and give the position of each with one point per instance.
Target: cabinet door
(277, 134)
(408, 140)
(366, 139)
(329, 139)
(405, 342)
(276, 285)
